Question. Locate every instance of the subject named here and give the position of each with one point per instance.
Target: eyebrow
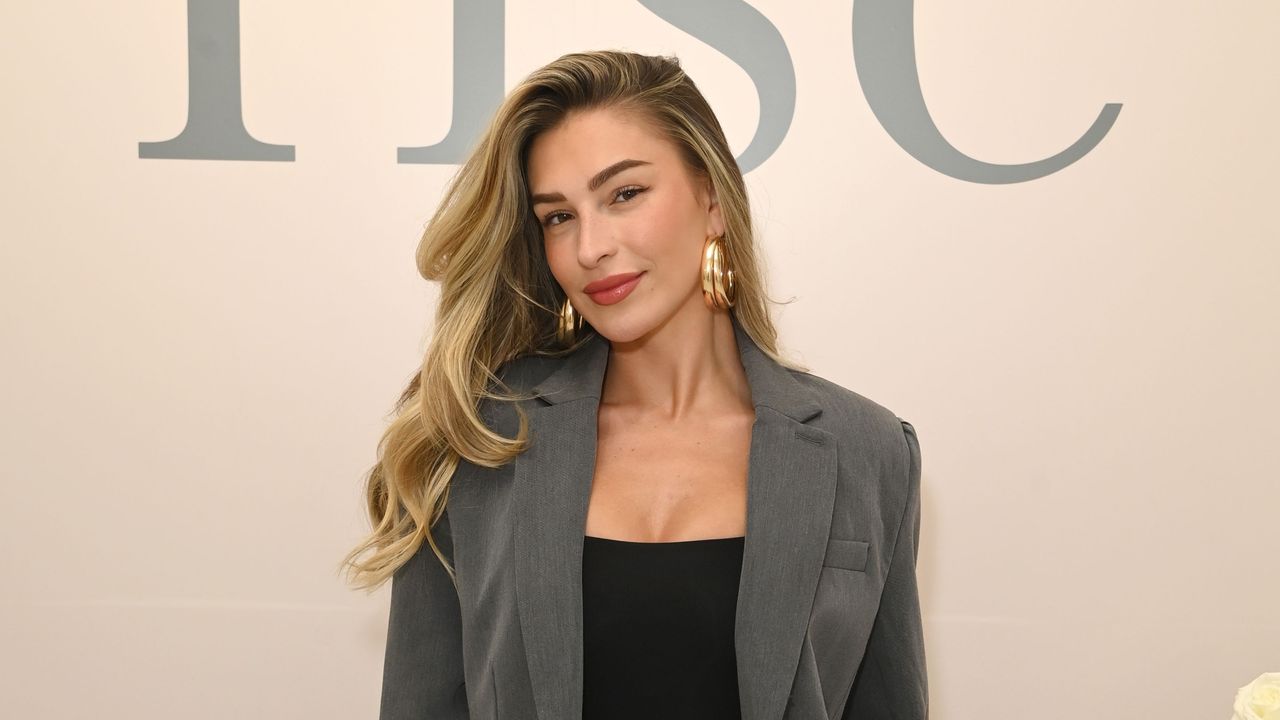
(599, 179)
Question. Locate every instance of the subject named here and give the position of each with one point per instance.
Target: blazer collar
(791, 487)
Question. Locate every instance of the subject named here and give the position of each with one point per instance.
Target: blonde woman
(606, 494)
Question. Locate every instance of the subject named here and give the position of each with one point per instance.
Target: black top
(658, 622)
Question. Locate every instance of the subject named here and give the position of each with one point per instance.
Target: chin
(619, 332)
(624, 328)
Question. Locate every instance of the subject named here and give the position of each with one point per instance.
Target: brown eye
(634, 190)
(547, 220)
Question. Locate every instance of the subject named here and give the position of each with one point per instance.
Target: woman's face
(614, 198)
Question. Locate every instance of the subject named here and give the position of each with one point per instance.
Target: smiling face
(615, 198)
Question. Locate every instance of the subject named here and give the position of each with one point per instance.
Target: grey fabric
(828, 619)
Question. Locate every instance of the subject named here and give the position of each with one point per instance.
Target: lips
(613, 289)
(612, 281)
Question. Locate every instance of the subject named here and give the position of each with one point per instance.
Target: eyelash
(546, 221)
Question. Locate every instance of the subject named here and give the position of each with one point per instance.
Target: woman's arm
(892, 683)
(422, 676)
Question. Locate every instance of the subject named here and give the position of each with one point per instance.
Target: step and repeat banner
(1043, 232)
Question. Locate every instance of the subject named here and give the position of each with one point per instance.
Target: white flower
(1260, 699)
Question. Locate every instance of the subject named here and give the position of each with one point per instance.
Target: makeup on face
(612, 289)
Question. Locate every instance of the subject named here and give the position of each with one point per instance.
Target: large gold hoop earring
(570, 324)
(719, 288)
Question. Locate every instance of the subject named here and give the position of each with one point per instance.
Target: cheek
(554, 261)
(673, 235)
(678, 245)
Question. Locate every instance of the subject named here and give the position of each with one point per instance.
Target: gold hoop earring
(719, 288)
(570, 324)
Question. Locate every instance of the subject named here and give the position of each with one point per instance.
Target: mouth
(610, 282)
(612, 289)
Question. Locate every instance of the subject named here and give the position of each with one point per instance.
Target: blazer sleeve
(422, 674)
(892, 682)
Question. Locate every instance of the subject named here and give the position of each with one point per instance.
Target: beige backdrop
(200, 355)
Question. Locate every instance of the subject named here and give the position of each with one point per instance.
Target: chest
(668, 481)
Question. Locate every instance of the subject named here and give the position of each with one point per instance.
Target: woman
(632, 506)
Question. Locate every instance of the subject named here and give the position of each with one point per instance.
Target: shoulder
(861, 424)
(518, 377)
(524, 372)
(852, 410)
(877, 452)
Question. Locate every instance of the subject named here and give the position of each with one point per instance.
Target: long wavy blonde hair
(499, 300)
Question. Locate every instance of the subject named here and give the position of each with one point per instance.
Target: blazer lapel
(552, 487)
(791, 485)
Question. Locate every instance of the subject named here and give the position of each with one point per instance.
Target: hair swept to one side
(499, 300)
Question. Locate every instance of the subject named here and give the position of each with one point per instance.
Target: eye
(633, 189)
(548, 219)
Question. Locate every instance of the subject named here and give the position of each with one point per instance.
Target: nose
(595, 239)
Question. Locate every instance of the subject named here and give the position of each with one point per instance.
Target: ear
(715, 219)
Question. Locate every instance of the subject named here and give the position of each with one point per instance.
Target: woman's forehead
(587, 141)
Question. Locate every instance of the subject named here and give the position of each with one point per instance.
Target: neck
(688, 367)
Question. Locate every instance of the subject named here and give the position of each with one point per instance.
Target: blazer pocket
(847, 554)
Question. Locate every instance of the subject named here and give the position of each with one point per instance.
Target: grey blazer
(828, 621)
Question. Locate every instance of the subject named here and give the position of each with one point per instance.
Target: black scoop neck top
(658, 624)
